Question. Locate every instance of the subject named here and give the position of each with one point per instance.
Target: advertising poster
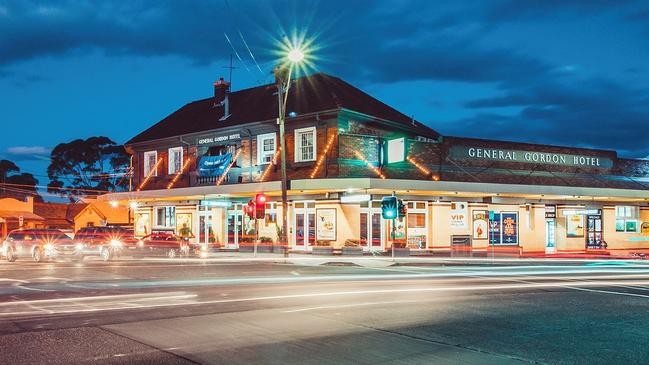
(509, 224)
(480, 225)
(326, 224)
(142, 224)
(184, 224)
(494, 229)
(459, 213)
(214, 165)
(575, 225)
(644, 228)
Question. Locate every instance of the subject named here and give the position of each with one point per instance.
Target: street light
(283, 80)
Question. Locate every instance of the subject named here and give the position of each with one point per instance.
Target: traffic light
(260, 206)
(249, 209)
(389, 207)
(402, 209)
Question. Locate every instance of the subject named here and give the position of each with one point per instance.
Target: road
(215, 312)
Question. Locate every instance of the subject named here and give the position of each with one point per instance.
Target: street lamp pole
(281, 99)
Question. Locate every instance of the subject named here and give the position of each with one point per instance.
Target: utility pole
(279, 76)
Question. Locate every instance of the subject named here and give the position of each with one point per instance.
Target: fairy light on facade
(322, 157)
(270, 165)
(179, 173)
(150, 174)
(372, 167)
(419, 166)
(225, 173)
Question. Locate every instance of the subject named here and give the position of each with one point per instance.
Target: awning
(16, 214)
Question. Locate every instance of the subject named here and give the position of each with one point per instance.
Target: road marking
(350, 305)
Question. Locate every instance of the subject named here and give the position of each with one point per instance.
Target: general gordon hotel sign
(549, 158)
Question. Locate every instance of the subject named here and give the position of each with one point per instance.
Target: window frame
(298, 143)
(171, 152)
(261, 154)
(624, 214)
(147, 167)
(168, 218)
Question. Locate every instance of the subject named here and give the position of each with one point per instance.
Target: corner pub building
(200, 165)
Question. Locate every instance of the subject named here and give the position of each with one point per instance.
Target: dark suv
(39, 244)
(105, 242)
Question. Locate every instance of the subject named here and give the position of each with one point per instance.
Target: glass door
(206, 234)
(372, 227)
(594, 231)
(304, 218)
(235, 228)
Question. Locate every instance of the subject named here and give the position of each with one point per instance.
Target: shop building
(199, 166)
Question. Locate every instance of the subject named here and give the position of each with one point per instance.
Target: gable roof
(309, 94)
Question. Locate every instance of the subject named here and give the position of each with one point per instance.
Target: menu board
(326, 224)
(575, 225)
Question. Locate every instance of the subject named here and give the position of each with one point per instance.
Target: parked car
(162, 244)
(40, 244)
(104, 242)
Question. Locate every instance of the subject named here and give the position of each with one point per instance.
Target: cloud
(25, 153)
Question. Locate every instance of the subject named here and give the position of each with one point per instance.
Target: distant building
(346, 150)
(16, 213)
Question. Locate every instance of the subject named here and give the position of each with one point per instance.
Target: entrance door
(304, 218)
(235, 227)
(550, 245)
(372, 228)
(206, 234)
(594, 231)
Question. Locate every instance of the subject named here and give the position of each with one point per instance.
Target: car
(158, 244)
(40, 244)
(105, 242)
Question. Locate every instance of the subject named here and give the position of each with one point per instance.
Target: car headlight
(116, 243)
(80, 246)
(140, 243)
(49, 246)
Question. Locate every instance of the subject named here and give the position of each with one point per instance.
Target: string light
(225, 173)
(179, 173)
(418, 166)
(322, 156)
(372, 167)
(148, 176)
(270, 165)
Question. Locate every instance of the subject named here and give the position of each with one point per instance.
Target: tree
(17, 185)
(87, 167)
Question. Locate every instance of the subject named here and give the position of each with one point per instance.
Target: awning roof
(15, 214)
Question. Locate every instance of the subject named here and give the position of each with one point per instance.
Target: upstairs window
(266, 146)
(175, 160)
(150, 159)
(305, 144)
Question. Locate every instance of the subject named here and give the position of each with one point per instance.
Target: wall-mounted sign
(497, 154)
(214, 165)
(459, 213)
(184, 225)
(567, 212)
(325, 224)
(217, 139)
(142, 225)
(644, 227)
(550, 211)
(480, 225)
(396, 150)
(503, 228)
(575, 225)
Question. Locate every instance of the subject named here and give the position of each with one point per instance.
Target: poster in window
(459, 215)
(619, 225)
(184, 225)
(631, 226)
(644, 227)
(575, 225)
(494, 229)
(142, 224)
(480, 225)
(326, 224)
(509, 228)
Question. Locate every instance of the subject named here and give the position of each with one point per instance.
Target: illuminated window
(266, 145)
(175, 160)
(305, 144)
(150, 159)
(626, 218)
(165, 217)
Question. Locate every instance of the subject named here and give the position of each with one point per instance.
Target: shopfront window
(165, 217)
(626, 218)
(416, 228)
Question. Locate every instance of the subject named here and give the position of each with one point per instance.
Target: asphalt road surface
(213, 312)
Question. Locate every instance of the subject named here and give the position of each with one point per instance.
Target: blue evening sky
(571, 72)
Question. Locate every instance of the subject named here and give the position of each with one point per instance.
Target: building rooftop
(308, 94)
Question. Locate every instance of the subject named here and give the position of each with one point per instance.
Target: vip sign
(459, 214)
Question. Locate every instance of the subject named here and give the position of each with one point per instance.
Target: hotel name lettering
(496, 154)
(217, 139)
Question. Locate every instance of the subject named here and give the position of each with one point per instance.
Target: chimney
(221, 91)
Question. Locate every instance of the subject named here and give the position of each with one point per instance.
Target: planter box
(279, 249)
(261, 248)
(322, 250)
(400, 252)
(352, 251)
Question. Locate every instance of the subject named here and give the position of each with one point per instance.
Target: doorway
(304, 218)
(594, 238)
(372, 227)
(206, 234)
(235, 226)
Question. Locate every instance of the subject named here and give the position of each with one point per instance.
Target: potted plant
(279, 247)
(352, 247)
(400, 248)
(265, 244)
(322, 248)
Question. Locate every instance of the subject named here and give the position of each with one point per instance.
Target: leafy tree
(86, 167)
(17, 185)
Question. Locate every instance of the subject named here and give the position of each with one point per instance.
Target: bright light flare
(295, 55)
